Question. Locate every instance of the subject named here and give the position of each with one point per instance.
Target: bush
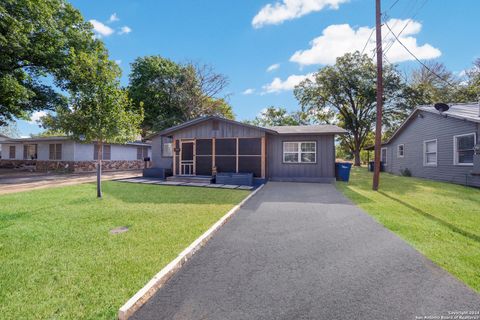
(406, 172)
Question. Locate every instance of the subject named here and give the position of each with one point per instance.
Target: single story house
(65, 154)
(2, 138)
(437, 142)
(209, 145)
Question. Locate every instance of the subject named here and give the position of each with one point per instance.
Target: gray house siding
(224, 130)
(429, 126)
(321, 171)
(158, 160)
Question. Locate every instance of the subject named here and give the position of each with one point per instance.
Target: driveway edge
(142, 296)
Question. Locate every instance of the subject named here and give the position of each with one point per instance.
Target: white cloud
(336, 40)
(273, 67)
(113, 18)
(290, 9)
(100, 28)
(125, 30)
(118, 61)
(36, 116)
(278, 85)
(248, 91)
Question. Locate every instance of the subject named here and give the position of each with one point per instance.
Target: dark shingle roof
(309, 129)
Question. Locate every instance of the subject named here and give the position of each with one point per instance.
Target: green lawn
(59, 261)
(440, 220)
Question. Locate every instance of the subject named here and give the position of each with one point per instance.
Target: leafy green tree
(10, 130)
(99, 110)
(273, 116)
(39, 39)
(172, 93)
(345, 94)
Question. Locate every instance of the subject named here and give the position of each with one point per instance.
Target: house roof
(59, 138)
(206, 118)
(463, 111)
(309, 129)
(4, 136)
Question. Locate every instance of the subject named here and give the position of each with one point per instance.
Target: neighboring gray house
(207, 145)
(437, 145)
(62, 153)
(2, 138)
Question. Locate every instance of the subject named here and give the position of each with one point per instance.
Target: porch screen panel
(250, 164)
(226, 147)
(203, 157)
(250, 146)
(203, 165)
(226, 163)
(203, 147)
(250, 156)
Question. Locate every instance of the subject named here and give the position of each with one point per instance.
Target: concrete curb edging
(142, 296)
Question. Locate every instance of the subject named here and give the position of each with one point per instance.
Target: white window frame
(425, 164)
(299, 152)
(455, 148)
(386, 155)
(398, 150)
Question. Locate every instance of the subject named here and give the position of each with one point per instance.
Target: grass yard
(440, 220)
(59, 261)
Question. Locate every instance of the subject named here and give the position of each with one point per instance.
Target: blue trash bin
(343, 171)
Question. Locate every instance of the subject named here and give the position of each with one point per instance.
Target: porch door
(187, 158)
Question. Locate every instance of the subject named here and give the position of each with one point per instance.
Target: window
(400, 151)
(463, 149)
(55, 151)
(106, 154)
(142, 152)
(30, 151)
(11, 152)
(300, 152)
(430, 153)
(383, 156)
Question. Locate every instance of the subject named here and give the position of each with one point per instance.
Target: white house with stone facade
(64, 154)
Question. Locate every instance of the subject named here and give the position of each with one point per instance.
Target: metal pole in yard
(378, 125)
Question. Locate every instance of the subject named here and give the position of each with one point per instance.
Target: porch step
(194, 179)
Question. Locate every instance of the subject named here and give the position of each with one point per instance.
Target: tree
(39, 39)
(10, 130)
(99, 110)
(172, 93)
(273, 116)
(345, 94)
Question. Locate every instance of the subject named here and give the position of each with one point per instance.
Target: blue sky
(242, 39)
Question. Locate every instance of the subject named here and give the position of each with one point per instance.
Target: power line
(418, 60)
(368, 40)
(406, 24)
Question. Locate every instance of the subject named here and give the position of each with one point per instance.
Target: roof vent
(441, 107)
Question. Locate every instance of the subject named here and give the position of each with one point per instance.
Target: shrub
(406, 172)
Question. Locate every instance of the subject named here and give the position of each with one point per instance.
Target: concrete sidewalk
(302, 251)
(24, 182)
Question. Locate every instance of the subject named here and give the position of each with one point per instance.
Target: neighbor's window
(55, 151)
(142, 153)
(106, 154)
(30, 151)
(300, 152)
(383, 155)
(11, 152)
(400, 150)
(463, 146)
(430, 153)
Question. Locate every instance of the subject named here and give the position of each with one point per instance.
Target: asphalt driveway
(302, 251)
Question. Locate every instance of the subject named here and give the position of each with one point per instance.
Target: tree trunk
(356, 154)
(99, 168)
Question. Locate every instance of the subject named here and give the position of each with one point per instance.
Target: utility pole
(378, 125)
